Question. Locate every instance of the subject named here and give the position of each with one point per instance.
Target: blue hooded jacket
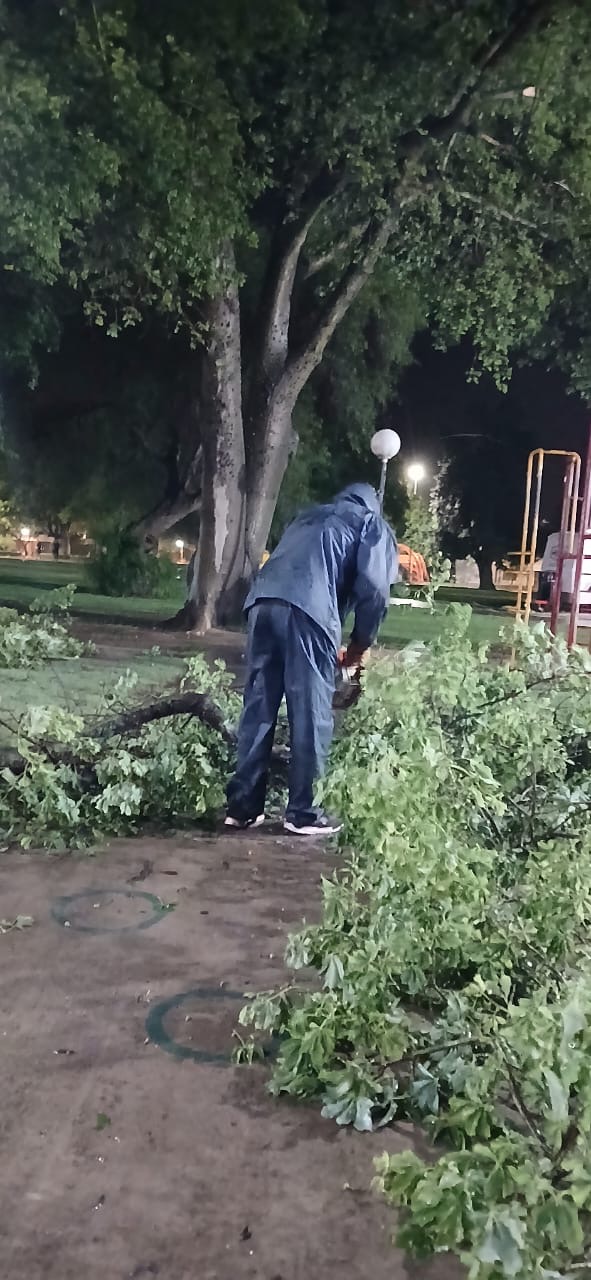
(334, 559)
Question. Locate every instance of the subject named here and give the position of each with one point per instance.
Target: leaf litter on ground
(19, 922)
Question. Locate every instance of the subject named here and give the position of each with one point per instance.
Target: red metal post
(580, 553)
(568, 522)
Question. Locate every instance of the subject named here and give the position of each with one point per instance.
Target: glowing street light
(416, 473)
(385, 445)
(25, 533)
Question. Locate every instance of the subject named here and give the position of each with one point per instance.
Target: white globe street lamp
(416, 473)
(385, 445)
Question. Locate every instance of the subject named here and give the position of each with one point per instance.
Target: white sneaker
(242, 824)
(322, 826)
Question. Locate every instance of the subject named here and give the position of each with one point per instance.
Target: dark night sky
(435, 401)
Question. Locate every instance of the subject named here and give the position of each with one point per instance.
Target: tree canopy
(240, 171)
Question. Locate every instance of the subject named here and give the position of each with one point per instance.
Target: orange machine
(413, 569)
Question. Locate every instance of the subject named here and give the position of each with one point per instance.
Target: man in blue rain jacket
(333, 559)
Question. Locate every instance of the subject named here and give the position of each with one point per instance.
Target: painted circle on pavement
(159, 1035)
(66, 911)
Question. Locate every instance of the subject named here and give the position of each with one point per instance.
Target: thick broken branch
(526, 18)
(127, 723)
(184, 704)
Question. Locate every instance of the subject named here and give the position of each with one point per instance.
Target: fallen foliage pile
(454, 951)
(71, 780)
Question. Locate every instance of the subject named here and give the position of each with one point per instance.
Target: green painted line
(63, 909)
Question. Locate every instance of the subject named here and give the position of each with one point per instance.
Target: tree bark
(168, 513)
(184, 704)
(219, 568)
(484, 561)
(265, 473)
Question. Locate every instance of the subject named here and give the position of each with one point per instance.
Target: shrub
(121, 567)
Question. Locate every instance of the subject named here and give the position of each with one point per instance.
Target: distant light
(416, 472)
(84, 536)
(25, 532)
(385, 444)
(529, 92)
(179, 544)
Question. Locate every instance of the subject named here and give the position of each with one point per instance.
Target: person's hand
(355, 657)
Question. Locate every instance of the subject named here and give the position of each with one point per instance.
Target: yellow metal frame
(530, 530)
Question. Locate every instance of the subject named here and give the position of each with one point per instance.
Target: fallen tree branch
(184, 704)
(129, 722)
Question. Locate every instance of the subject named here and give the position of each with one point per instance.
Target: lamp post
(385, 445)
(415, 473)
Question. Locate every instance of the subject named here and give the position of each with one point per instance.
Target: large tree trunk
(219, 567)
(484, 561)
(260, 499)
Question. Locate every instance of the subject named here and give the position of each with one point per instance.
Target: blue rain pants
(288, 653)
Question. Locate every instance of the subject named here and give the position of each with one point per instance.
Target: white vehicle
(550, 566)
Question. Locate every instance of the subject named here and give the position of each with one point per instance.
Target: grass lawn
(478, 599)
(403, 625)
(79, 685)
(21, 581)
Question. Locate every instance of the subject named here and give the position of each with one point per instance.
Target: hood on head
(364, 494)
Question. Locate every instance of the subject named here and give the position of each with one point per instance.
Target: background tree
(100, 434)
(486, 476)
(421, 529)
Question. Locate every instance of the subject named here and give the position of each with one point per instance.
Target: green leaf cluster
(40, 635)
